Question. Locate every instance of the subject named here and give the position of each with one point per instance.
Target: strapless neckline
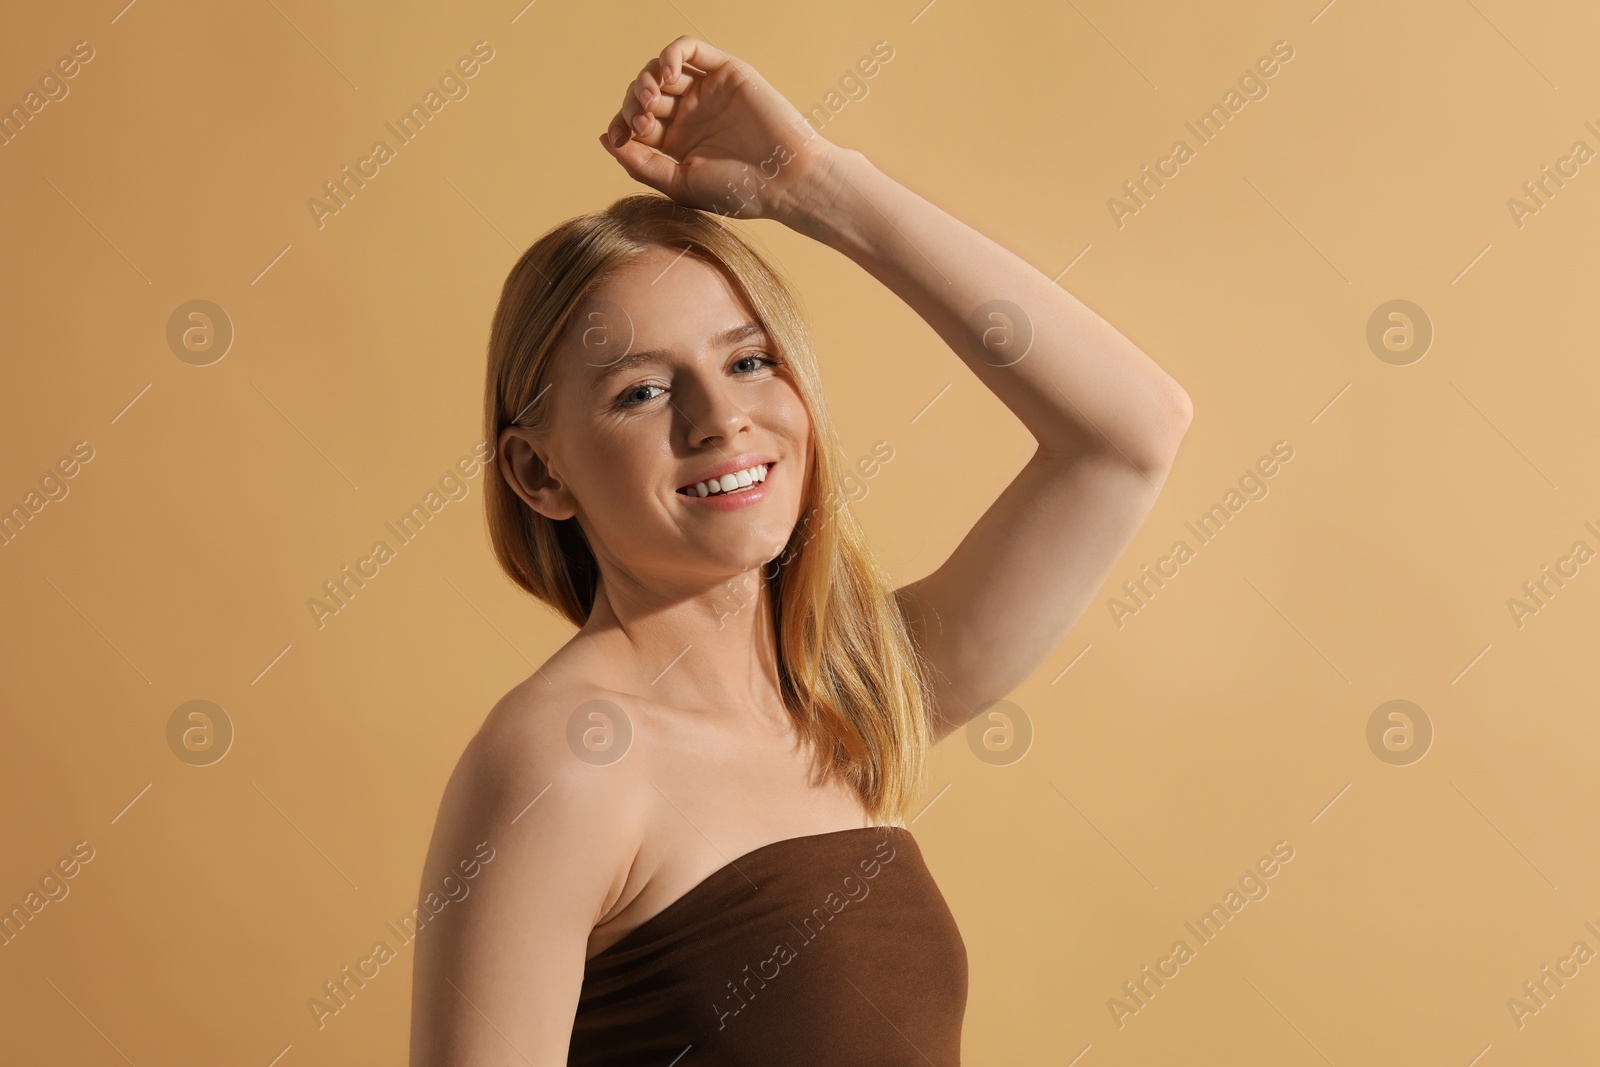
(665, 915)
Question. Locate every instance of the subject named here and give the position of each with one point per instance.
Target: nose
(713, 412)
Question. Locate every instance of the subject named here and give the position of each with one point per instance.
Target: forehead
(667, 290)
(666, 302)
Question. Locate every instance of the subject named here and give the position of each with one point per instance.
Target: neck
(699, 646)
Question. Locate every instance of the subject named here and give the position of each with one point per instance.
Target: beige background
(1228, 714)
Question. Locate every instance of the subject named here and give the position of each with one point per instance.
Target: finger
(677, 86)
(636, 120)
(644, 164)
(694, 51)
(647, 85)
(617, 132)
(651, 99)
(643, 88)
(630, 105)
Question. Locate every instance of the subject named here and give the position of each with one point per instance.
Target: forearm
(1081, 387)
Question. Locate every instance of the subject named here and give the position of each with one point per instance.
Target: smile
(744, 488)
(737, 482)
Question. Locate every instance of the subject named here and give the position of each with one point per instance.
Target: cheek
(619, 483)
(789, 417)
(605, 474)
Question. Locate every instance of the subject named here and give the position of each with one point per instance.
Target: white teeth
(730, 482)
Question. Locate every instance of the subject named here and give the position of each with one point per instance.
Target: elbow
(1170, 425)
(1180, 415)
(1181, 409)
(1150, 448)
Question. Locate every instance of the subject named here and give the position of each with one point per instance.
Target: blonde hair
(850, 674)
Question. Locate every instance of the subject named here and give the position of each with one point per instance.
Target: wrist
(815, 205)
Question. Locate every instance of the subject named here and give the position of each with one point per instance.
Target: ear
(524, 465)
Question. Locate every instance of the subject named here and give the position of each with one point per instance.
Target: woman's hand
(703, 127)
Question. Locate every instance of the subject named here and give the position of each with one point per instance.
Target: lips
(731, 466)
(731, 500)
(756, 483)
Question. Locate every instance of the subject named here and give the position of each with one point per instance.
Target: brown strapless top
(833, 948)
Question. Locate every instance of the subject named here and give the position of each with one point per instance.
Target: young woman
(693, 812)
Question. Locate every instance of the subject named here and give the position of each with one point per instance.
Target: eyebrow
(730, 336)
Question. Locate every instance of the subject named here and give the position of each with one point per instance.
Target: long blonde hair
(850, 674)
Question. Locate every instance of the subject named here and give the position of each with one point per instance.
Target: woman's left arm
(1107, 420)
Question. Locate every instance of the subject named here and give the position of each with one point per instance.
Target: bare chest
(714, 797)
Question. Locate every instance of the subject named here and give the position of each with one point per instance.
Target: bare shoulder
(561, 828)
(575, 734)
(550, 756)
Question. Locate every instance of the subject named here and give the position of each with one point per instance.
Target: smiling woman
(735, 386)
(683, 788)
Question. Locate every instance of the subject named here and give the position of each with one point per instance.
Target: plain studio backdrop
(1371, 266)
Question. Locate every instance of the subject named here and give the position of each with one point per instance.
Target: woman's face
(657, 386)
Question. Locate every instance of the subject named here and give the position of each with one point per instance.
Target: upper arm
(991, 613)
(499, 968)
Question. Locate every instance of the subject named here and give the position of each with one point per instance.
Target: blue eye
(759, 358)
(626, 402)
(630, 399)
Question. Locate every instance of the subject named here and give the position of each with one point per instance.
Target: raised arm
(1107, 419)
